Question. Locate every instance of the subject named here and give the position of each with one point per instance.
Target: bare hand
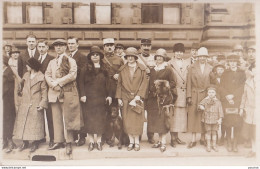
(120, 102)
(116, 76)
(109, 99)
(83, 99)
(39, 108)
(241, 112)
(189, 102)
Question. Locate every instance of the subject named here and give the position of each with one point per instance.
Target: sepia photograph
(129, 83)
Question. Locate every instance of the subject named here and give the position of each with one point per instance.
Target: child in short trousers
(212, 115)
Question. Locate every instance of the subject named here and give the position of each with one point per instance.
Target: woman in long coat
(180, 70)
(131, 88)
(94, 90)
(231, 90)
(197, 84)
(156, 119)
(29, 123)
(8, 106)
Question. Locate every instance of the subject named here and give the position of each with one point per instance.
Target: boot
(235, 145)
(208, 145)
(229, 146)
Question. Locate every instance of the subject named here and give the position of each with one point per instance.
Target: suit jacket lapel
(197, 68)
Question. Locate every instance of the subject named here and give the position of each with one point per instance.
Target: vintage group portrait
(88, 80)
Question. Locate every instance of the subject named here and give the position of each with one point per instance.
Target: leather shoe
(51, 143)
(56, 146)
(91, 146)
(180, 142)
(81, 142)
(99, 146)
(34, 147)
(151, 141)
(42, 140)
(202, 142)
(10, 147)
(68, 148)
(24, 145)
(137, 147)
(173, 143)
(130, 147)
(157, 145)
(192, 144)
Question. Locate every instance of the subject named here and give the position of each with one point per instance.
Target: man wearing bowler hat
(61, 76)
(193, 53)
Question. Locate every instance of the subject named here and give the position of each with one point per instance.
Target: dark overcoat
(156, 120)
(29, 123)
(94, 84)
(8, 103)
(232, 83)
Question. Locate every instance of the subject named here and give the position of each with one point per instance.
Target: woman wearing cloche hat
(155, 116)
(94, 91)
(197, 83)
(29, 124)
(131, 90)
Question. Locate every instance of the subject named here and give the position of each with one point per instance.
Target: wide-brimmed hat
(218, 65)
(238, 47)
(59, 42)
(119, 45)
(195, 46)
(108, 41)
(203, 52)
(95, 49)
(15, 50)
(160, 52)
(131, 51)
(251, 47)
(146, 41)
(34, 64)
(179, 47)
(233, 57)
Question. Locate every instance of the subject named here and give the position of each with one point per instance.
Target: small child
(211, 117)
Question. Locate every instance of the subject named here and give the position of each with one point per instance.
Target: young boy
(211, 117)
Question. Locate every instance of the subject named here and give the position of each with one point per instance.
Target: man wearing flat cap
(61, 76)
(180, 70)
(112, 62)
(31, 51)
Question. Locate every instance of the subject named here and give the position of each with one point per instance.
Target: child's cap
(212, 87)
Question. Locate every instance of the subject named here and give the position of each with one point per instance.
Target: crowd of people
(201, 94)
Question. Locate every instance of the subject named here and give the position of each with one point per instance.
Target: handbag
(139, 108)
(231, 110)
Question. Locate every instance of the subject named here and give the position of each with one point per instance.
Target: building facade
(217, 26)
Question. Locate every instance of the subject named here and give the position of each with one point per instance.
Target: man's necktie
(40, 59)
(31, 53)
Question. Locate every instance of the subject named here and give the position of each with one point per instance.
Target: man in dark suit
(73, 45)
(31, 42)
(44, 59)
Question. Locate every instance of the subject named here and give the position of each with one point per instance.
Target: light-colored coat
(179, 120)
(248, 101)
(197, 84)
(127, 89)
(71, 107)
(29, 123)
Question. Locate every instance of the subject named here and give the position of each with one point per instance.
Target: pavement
(180, 155)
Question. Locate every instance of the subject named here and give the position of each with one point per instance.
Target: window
(13, 12)
(161, 13)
